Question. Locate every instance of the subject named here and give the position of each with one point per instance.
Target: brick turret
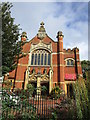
(78, 68)
(60, 56)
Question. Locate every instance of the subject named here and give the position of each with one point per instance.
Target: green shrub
(44, 90)
(30, 89)
(23, 111)
(65, 110)
(56, 92)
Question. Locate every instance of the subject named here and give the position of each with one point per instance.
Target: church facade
(46, 62)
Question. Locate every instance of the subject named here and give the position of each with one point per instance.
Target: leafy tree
(11, 46)
(85, 65)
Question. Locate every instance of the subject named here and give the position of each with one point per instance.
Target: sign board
(70, 76)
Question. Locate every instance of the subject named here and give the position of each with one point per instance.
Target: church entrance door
(69, 90)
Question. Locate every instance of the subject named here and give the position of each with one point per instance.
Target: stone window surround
(71, 59)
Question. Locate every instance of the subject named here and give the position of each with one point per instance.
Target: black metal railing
(39, 105)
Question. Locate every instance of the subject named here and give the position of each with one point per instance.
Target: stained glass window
(40, 58)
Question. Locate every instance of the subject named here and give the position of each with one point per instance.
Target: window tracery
(40, 57)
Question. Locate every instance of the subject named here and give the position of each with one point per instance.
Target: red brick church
(46, 62)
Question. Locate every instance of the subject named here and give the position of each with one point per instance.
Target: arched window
(70, 62)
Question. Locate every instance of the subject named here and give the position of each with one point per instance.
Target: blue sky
(69, 17)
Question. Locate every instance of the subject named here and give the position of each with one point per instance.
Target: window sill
(39, 65)
(70, 65)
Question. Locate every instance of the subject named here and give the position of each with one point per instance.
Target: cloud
(71, 18)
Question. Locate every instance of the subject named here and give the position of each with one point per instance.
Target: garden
(24, 105)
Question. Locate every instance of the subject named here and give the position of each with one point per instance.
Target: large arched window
(40, 57)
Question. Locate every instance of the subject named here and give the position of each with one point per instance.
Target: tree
(81, 100)
(85, 65)
(11, 46)
(0, 44)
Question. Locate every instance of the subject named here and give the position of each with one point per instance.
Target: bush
(65, 110)
(21, 111)
(44, 90)
(30, 89)
(56, 92)
(26, 116)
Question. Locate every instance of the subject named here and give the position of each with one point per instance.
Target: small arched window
(70, 62)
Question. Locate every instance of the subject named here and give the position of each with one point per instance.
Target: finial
(42, 23)
(41, 32)
(60, 34)
(23, 36)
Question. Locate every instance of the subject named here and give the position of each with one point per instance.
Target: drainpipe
(76, 69)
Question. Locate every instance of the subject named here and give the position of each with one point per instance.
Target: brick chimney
(60, 57)
(23, 36)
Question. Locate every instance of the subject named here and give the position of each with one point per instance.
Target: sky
(69, 17)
